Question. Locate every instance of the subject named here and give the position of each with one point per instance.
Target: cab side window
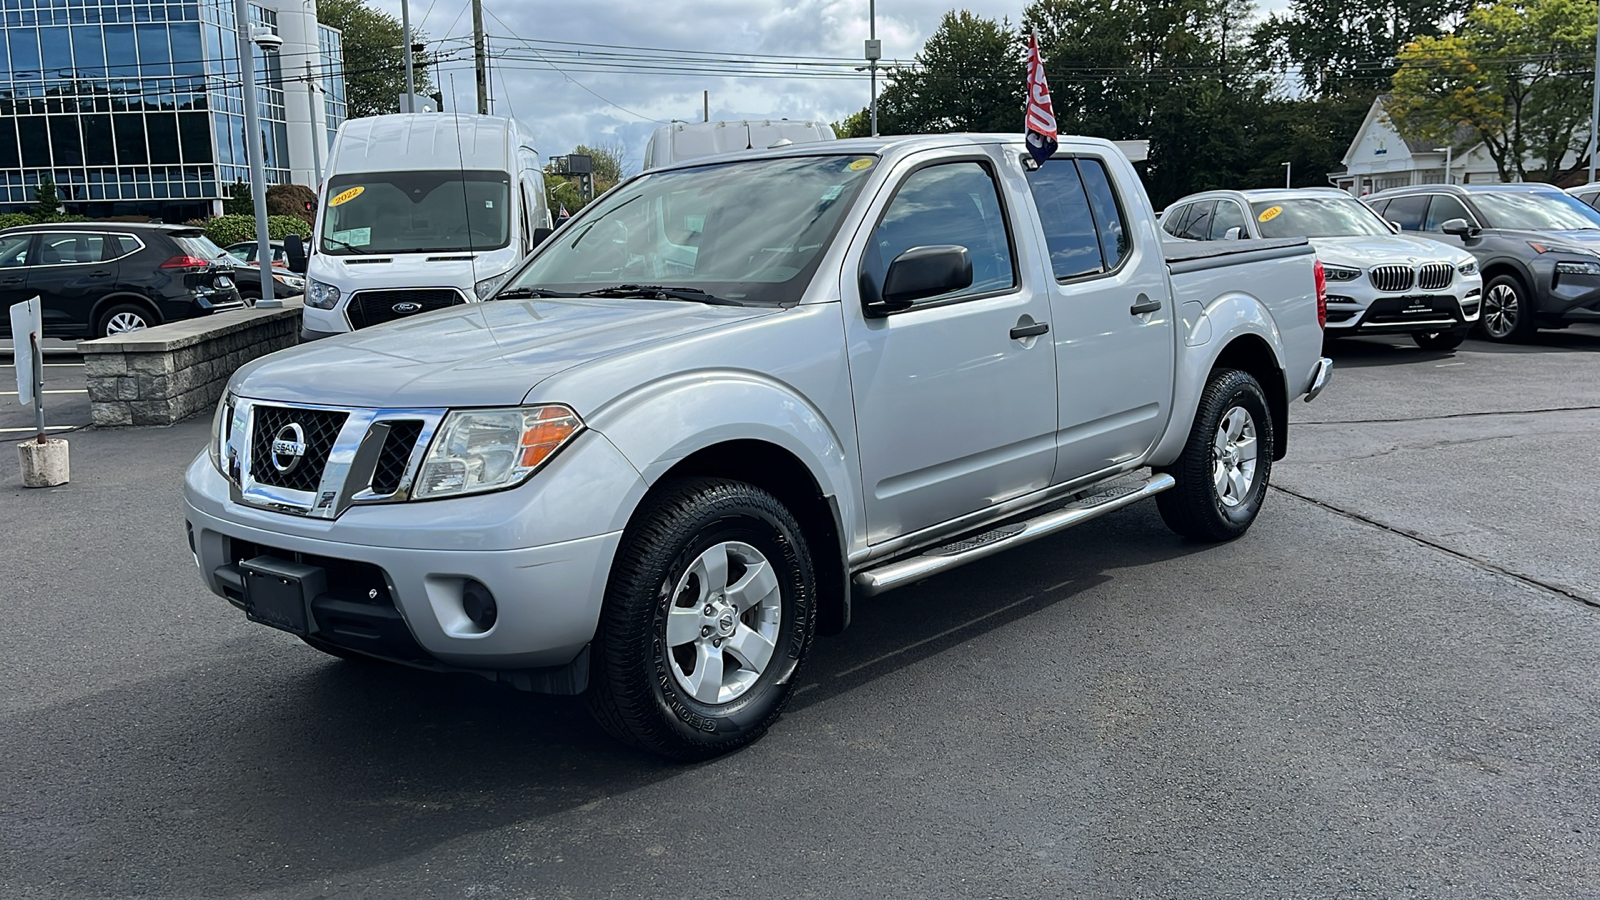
(950, 203)
(1069, 230)
(1408, 212)
(1442, 209)
(14, 250)
(1114, 242)
(1228, 216)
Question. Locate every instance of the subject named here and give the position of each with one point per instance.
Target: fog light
(478, 604)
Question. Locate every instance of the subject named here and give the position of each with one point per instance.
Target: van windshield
(416, 212)
(749, 231)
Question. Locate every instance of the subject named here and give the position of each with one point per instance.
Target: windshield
(747, 231)
(1535, 212)
(416, 212)
(1316, 217)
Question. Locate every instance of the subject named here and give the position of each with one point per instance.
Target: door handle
(100, 274)
(1026, 329)
(13, 280)
(1144, 305)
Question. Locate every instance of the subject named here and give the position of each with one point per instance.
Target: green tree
(969, 76)
(1511, 74)
(374, 56)
(1335, 47)
(857, 124)
(239, 202)
(46, 200)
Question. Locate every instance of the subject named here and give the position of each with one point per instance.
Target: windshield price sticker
(1268, 214)
(346, 196)
(864, 162)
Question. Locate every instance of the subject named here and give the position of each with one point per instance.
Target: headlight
(1340, 273)
(321, 296)
(298, 284)
(1586, 267)
(1468, 268)
(222, 428)
(479, 450)
(486, 288)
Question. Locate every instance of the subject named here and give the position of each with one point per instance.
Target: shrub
(12, 220)
(291, 200)
(280, 227)
(239, 202)
(231, 229)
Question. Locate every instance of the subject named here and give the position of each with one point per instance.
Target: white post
(1288, 170)
(874, 52)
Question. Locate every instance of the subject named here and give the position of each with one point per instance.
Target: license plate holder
(278, 592)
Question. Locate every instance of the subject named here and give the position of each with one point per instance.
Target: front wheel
(708, 614)
(1223, 471)
(1507, 310)
(1442, 341)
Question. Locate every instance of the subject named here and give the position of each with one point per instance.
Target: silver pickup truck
(734, 395)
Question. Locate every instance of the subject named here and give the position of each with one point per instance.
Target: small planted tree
(46, 200)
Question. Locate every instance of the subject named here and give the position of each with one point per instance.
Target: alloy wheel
(722, 627)
(1233, 455)
(1501, 307)
(124, 322)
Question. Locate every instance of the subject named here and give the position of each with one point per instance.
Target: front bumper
(1358, 308)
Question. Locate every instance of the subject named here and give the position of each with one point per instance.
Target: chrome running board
(901, 572)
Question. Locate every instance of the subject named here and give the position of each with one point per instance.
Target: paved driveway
(66, 398)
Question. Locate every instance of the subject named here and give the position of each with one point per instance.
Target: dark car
(247, 275)
(247, 250)
(1537, 247)
(94, 280)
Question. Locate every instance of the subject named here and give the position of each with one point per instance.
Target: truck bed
(1193, 256)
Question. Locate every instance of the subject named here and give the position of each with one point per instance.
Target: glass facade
(335, 108)
(133, 107)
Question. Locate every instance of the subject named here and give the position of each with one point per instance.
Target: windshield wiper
(661, 292)
(523, 293)
(334, 240)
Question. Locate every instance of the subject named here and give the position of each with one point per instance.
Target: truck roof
(885, 146)
(426, 141)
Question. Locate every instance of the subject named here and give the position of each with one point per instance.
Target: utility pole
(254, 149)
(873, 54)
(480, 58)
(706, 99)
(318, 134)
(405, 36)
(1594, 112)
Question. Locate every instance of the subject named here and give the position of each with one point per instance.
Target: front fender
(660, 423)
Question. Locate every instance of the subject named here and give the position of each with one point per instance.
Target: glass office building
(136, 108)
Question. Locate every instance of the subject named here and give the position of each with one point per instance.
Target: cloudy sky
(569, 107)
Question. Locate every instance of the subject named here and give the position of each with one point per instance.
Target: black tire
(636, 687)
(120, 313)
(1195, 508)
(1507, 312)
(1442, 341)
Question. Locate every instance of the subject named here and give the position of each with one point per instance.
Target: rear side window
(952, 203)
(198, 245)
(1173, 218)
(1227, 215)
(1196, 226)
(14, 250)
(1407, 212)
(120, 245)
(1114, 242)
(1442, 209)
(1068, 224)
(68, 248)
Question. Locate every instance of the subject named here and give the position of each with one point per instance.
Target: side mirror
(1458, 227)
(1232, 234)
(1393, 226)
(295, 249)
(540, 235)
(922, 272)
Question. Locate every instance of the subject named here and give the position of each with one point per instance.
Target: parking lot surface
(1385, 689)
(66, 397)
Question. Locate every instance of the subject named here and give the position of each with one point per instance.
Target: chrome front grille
(330, 459)
(1436, 276)
(1392, 278)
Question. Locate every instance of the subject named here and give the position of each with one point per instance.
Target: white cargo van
(420, 212)
(689, 140)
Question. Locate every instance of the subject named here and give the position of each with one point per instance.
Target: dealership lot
(1385, 689)
(66, 398)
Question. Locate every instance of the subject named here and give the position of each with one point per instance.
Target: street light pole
(874, 53)
(253, 150)
(317, 134)
(1288, 170)
(480, 70)
(1449, 160)
(1594, 111)
(405, 35)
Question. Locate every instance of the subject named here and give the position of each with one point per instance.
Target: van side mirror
(540, 235)
(295, 249)
(1458, 227)
(919, 273)
(1232, 234)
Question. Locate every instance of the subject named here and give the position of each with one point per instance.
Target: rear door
(70, 276)
(953, 412)
(1111, 315)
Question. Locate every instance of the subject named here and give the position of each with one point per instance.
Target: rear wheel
(708, 614)
(1439, 340)
(1507, 310)
(1223, 472)
(123, 318)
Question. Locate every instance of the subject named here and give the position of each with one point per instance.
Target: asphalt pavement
(1385, 689)
(66, 396)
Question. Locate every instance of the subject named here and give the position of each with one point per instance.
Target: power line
(574, 80)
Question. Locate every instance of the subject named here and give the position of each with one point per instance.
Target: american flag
(1041, 119)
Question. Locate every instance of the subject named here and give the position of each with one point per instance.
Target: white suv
(1378, 281)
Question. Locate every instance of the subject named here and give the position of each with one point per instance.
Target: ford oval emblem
(406, 307)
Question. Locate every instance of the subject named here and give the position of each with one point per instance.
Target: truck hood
(1363, 251)
(478, 354)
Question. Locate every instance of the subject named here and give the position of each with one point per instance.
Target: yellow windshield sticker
(346, 196)
(1268, 214)
(864, 162)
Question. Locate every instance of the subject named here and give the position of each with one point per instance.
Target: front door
(14, 254)
(955, 397)
(1111, 315)
(70, 278)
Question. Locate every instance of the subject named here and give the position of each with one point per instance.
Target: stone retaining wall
(163, 375)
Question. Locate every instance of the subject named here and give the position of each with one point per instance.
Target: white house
(1380, 158)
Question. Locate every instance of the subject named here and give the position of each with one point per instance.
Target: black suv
(99, 279)
(1538, 249)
